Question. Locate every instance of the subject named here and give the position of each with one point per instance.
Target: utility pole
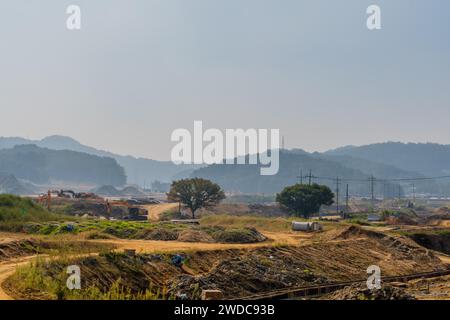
(414, 193)
(337, 195)
(49, 200)
(300, 177)
(346, 203)
(372, 182)
(310, 177)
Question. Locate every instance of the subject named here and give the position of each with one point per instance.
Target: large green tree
(304, 200)
(195, 193)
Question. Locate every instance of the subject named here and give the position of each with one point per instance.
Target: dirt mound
(243, 272)
(157, 234)
(401, 219)
(361, 292)
(357, 232)
(18, 248)
(108, 191)
(443, 211)
(194, 236)
(95, 235)
(131, 191)
(244, 235)
(440, 219)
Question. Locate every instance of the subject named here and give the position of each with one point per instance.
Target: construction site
(148, 248)
(224, 159)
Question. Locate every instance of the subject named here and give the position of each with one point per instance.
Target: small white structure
(306, 226)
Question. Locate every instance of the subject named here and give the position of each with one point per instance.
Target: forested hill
(247, 178)
(427, 158)
(138, 170)
(41, 165)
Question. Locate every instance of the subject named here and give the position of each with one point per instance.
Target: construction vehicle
(75, 195)
(134, 213)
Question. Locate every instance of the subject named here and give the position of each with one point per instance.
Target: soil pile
(357, 232)
(401, 219)
(131, 191)
(244, 235)
(443, 211)
(442, 219)
(157, 234)
(194, 236)
(107, 191)
(244, 273)
(18, 248)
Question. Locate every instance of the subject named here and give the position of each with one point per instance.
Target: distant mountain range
(294, 167)
(425, 158)
(44, 166)
(391, 160)
(357, 164)
(139, 171)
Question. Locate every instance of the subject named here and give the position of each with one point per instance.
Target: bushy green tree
(195, 193)
(304, 200)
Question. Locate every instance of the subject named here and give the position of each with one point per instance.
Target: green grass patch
(240, 222)
(16, 211)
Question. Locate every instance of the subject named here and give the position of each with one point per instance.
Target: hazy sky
(139, 69)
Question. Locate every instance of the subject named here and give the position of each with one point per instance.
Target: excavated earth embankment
(243, 272)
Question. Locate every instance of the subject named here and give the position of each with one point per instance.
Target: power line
(419, 178)
(385, 179)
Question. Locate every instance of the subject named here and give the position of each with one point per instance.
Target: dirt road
(149, 246)
(7, 269)
(155, 210)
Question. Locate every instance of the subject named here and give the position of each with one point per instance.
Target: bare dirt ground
(8, 237)
(155, 210)
(148, 246)
(430, 289)
(7, 269)
(332, 248)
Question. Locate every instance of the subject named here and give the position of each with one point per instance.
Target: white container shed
(306, 226)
